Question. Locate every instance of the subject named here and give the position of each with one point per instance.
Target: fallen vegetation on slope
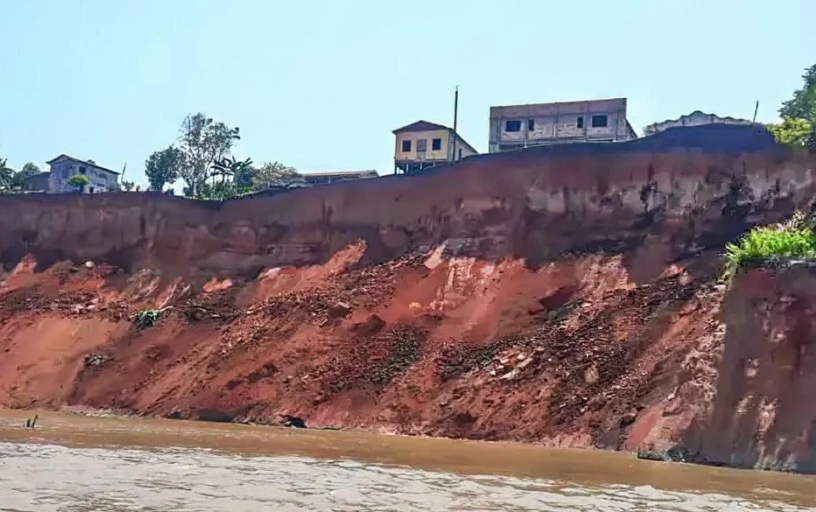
(791, 239)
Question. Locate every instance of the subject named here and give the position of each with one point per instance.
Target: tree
(275, 174)
(78, 181)
(792, 132)
(236, 169)
(203, 142)
(128, 185)
(163, 167)
(28, 170)
(6, 176)
(243, 175)
(803, 103)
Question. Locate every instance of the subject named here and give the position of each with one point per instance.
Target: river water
(72, 463)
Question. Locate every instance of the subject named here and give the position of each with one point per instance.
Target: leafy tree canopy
(78, 181)
(203, 142)
(163, 167)
(276, 174)
(803, 103)
(792, 132)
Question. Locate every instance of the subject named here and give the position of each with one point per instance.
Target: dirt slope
(563, 299)
(571, 353)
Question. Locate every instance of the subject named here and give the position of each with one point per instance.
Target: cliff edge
(567, 297)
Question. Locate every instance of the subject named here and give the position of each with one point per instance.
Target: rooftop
(421, 126)
(563, 103)
(63, 156)
(340, 173)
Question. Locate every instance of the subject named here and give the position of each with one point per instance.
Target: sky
(321, 85)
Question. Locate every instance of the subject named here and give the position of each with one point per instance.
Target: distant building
(520, 126)
(696, 118)
(36, 182)
(321, 178)
(422, 145)
(100, 179)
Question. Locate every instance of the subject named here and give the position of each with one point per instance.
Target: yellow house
(421, 145)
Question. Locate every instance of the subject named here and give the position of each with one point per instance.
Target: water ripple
(51, 478)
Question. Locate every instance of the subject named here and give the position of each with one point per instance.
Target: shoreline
(462, 457)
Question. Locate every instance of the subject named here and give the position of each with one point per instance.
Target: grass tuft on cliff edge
(791, 239)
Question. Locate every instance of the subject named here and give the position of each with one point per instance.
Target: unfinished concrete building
(520, 126)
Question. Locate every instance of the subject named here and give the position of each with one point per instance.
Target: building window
(436, 144)
(406, 146)
(512, 126)
(83, 170)
(530, 125)
(580, 121)
(599, 121)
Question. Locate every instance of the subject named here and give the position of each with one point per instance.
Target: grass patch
(792, 239)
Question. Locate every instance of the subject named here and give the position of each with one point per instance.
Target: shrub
(793, 239)
(78, 181)
(147, 318)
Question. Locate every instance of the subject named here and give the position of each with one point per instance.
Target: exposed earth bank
(564, 299)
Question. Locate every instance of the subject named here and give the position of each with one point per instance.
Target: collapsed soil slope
(564, 299)
(571, 353)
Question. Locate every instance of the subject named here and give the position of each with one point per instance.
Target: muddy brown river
(72, 463)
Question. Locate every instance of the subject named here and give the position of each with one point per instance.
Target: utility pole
(455, 116)
(756, 109)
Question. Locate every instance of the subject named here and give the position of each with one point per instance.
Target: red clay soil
(568, 300)
(571, 354)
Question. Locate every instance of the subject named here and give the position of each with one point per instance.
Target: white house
(696, 118)
(100, 179)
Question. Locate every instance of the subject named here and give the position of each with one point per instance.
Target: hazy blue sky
(321, 84)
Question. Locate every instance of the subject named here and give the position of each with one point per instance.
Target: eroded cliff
(568, 297)
(764, 415)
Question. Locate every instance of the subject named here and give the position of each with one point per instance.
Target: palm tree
(230, 167)
(6, 175)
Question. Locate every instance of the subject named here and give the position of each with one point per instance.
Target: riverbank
(367, 349)
(112, 438)
(566, 300)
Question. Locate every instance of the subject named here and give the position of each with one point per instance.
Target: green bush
(147, 318)
(788, 240)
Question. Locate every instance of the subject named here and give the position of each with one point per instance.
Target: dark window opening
(530, 125)
(83, 170)
(580, 121)
(91, 190)
(460, 153)
(406, 146)
(512, 126)
(436, 144)
(599, 121)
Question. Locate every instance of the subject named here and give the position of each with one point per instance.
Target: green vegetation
(78, 181)
(798, 127)
(792, 132)
(163, 167)
(204, 161)
(803, 103)
(147, 318)
(793, 239)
